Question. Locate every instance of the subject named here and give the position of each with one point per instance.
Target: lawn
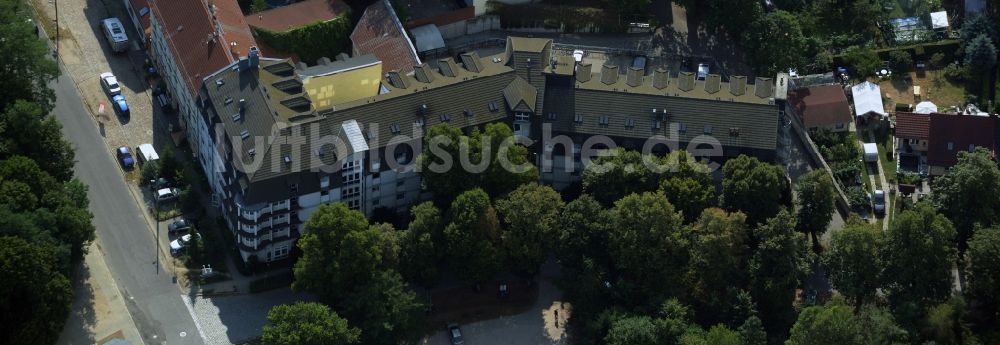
(934, 88)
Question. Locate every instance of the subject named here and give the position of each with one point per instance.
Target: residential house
(821, 107)
(929, 143)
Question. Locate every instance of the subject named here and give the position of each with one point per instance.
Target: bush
(908, 178)
(149, 171)
(901, 60)
(954, 72)
(937, 60)
(857, 197)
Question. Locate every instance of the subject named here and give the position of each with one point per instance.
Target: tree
(340, 253)
(617, 174)
(835, 324)
(385, 310)
(864, 60)
(717, 262)
(530, 214)
(582, 232)
(513, 169)
(28, 130)
(34, 297)
(959, 194)
(440, 169)
(945, 323)
(307, 324)
(632, 330)
(853, 262)
(752, 331)
(26, 67)
(648, 246)
(984, 270)
(150, 171)
(775, 42)
(168, 164)
(981, 54)
(754, 187)
(690, 195)
(979, 25)
(901, 61)
(422, 245)
(778, 265)
(937, 60)
(919, 255)
(473, 237)
(717, 335)
(815, 203)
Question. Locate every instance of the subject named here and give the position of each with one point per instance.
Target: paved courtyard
(232, 319)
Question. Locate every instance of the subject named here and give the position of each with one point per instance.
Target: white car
(110, 83)
(177, 245)
(167, 194)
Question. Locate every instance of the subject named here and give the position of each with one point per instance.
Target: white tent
(939, 20)
(867, 99)
(428, 37)
(926, 107)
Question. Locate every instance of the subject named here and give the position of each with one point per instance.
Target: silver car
(110, 84)
(878, 201)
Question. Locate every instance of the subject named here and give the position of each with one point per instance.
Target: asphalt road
(153, 299)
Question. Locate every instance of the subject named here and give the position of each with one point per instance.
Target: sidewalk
(99, 314)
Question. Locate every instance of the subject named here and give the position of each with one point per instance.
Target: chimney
(634, 76)
(342, 57)
(323, 61)
(609, 74)
(583, 72)
(660, 78)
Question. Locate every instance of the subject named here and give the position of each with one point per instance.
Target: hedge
(312, 41)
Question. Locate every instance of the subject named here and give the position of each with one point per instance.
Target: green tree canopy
(510, 166)
(34, 297)
(853, 263)
(690, 194)
(919, 254)
(835, 324)
(307, 324)
(978, 25)
(778, 265)
(981, 53)
(632, 330)
(984, 270)
(422, 245)
(754, 187)
(27, 69)
(529, 214)
(815, 202)
(959, 195)
(340, 253)
(717, 266)
(473, 237)
(865, 61)
(385, 310)
(649, 246)
(617, 174)
(26, 129)
(775, 42)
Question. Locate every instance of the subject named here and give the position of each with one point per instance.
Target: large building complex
(274, 154)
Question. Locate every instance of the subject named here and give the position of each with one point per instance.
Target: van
(114, 32)
(146, 153)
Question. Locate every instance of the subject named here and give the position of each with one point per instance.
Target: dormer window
(394, 128)
(245, 134)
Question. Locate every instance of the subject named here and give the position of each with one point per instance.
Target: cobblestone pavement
(85, 55)
(232, 319)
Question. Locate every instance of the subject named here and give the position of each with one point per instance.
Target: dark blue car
(120, 105)
(125, 158)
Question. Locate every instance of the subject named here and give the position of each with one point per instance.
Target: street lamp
(56, 2)
(156, 223)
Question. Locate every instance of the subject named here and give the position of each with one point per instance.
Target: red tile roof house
(190, 40)
(940, 137)
(379, 32)
(821, 107)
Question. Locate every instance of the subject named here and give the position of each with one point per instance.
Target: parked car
(125, 158)
(161, 183)
(179, 225)
(121, 106)
(176, 246)
(455, 334)
(110, 84)
(878, 201)
(167, 194)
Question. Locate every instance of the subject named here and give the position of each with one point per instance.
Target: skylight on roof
(245, 134)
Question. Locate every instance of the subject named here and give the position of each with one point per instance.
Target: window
(467, 112)
(682, 127)
(419, 122)
(972, 147)
(517, 127)
(603, 120)
(522, 117)
(629, 123)
(578, 118)
(445, 117)
(237, 117)
(376, 202)
(656, 124)
(840, 126)
(400, 196)
(493, 107)
(294, 187)
(951, 146)
(734, 131)
(394, 128)
(552, 116)
(708, 129)
(245, 134)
